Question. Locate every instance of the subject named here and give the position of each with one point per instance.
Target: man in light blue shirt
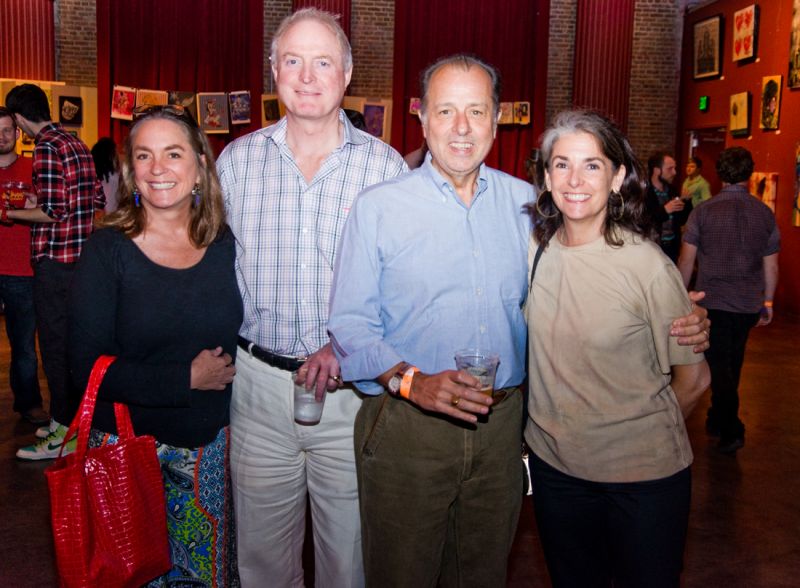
(431, 262)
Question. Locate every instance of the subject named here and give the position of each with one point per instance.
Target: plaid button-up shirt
(287, 229)
(68, 191)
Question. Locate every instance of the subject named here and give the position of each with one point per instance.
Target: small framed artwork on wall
(739, 124)
(794, 48)
(378, 116)
(212, 112)
(745, 33)
(770, 102)
(707, 43)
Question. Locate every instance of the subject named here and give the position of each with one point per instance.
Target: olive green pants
(439, 499)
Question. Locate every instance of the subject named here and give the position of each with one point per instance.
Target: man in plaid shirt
(288, 189)
(68, 193)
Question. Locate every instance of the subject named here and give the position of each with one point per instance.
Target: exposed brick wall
(655, 76)
(560, 56)
(274, 12)
(658, 26)
(372, 39)
(76, 42)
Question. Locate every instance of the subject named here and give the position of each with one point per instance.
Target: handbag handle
(82, 423)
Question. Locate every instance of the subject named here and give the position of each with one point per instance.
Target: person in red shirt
(16, 280)
(68, 193)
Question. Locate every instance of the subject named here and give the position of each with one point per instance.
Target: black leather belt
(282, 362)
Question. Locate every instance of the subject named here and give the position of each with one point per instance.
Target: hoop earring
(543, 215)
(619, 216)
(136, 196)
(196, 194)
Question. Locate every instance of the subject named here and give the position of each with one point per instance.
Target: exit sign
(702, 104)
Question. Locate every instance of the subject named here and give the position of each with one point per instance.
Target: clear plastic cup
(307, 409)
(481, 364)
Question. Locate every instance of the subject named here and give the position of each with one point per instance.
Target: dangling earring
(543, 215)
(196, 194)
(618, 217)
(136, 196)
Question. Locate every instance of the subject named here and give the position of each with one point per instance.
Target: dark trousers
(439, 499)
(629, 535)
(672, 247)
(16, 295)
(51, 282)
(725, 356)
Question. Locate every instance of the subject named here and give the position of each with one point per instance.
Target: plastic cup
(307, 409)
(480, 364)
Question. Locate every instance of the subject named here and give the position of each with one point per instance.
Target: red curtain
(510, 35)
(340, 7)
(603, 51)
(188, 45)
(27, 40)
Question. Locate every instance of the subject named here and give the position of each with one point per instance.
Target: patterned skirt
(200, 521)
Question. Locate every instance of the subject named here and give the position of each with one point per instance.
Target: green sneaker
(48, 447)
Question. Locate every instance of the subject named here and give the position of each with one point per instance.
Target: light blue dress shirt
(420, 275)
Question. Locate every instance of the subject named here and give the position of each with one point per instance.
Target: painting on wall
(145, 98)
(123, 99)
(187, 100)
(522, 113)
(764, 185)
(271, 109)
(378, 116)
(212, 112)
(506, 113)
(414, 106)
(70, 111)
(794, 48)
(796, 206)
(739, 122)
(745, 31)
(770, 102)
(240, 107)
(707, 48)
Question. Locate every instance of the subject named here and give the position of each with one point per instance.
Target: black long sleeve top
(155, 320)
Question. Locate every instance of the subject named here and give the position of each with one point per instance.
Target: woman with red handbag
(156, 288)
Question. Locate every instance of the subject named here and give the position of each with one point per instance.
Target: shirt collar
(445, 187)
(350, 134)
(53, 126)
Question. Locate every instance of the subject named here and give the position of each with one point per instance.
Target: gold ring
(336, 379)
(455, 400)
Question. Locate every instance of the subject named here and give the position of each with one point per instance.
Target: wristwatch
(394, 383)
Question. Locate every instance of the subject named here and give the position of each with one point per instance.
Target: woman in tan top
(609, 390)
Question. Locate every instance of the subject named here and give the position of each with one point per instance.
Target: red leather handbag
(107, 503)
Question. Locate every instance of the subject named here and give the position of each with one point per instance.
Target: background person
(16, 283)
(695, 186)
(666, 208)
(106, 164)
(68, 193)
(157, 289)
(735, 241)
(609, 388)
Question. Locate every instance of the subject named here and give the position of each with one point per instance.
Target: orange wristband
(405, 385)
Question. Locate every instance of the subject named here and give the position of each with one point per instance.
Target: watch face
(394, 384)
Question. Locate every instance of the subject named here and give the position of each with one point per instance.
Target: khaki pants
(275, 464)
(439, 499)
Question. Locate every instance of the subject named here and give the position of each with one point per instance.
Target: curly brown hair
(207, 220)
(625, 210)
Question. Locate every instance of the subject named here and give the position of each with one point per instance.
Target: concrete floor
(744, 529)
